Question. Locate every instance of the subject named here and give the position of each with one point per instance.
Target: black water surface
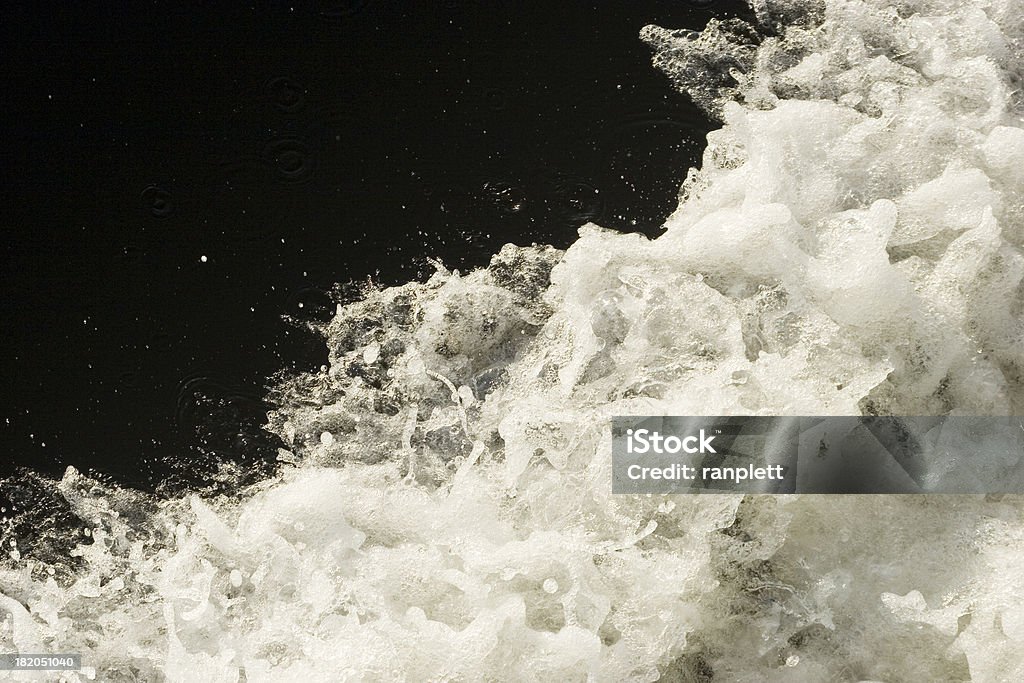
(177, 177)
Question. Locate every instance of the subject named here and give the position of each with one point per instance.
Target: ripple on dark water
(290, 158)
(286, 95)
(158, 201)
(340, 10)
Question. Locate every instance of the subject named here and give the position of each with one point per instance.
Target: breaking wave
(852, 244)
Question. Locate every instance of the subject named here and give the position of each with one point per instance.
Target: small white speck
(203, 258)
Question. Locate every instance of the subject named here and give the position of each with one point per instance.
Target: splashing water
(852, 244)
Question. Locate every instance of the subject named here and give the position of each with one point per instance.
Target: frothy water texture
(852, 244)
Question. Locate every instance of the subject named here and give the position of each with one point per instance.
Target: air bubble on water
(371, 353)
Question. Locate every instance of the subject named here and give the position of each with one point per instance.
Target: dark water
(180, 179)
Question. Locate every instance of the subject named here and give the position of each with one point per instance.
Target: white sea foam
(852, 243)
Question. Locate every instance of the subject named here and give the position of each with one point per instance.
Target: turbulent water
(852, 244)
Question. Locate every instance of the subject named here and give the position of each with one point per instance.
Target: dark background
(294, 146)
